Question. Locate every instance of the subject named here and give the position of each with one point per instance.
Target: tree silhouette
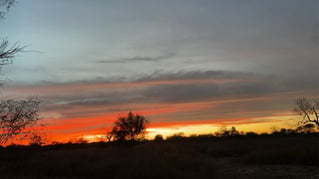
(129, 127)
(36, 140)
(308, 110)
(7, 52)
(16, 117)
(233, 131)
(158, 138)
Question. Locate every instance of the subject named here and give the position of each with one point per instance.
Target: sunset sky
(187, 66)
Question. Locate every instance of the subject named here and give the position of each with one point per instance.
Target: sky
(187, 66)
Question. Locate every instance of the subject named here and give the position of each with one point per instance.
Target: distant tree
(176, 137)
(291, 131)
(81, 141)
(251, 134)
(223, 132)
(283, 131)
(109, 136)
(130, 127)
(308, 110)
(158, 138)
(233, 131)
(36, 140)
(16, 117)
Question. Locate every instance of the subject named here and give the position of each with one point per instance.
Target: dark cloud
(254, 85)
(112, 61)
(246, 84)
(87, 98)
(183, 75)
(180, 93)
(139, 59)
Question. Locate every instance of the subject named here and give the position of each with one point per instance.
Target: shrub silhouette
(158, 138)
(130, 127)
(36, 140)
(307, 128)
(16, 117)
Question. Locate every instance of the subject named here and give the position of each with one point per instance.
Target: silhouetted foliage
(176, 137)
(158, 138)
(251, 134)
(109, 136)
(36, 140)
(16, 117)
(224, 132)
(307, 128)
(308, 110)
(129, 127)
(283, 131)
(233, 131)
(81, 141)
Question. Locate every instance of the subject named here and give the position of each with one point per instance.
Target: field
(290, 156)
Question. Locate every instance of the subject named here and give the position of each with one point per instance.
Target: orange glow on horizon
(187, 128)
(70, 123)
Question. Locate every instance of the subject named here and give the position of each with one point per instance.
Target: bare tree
(308, 110)
(129, 127)
(109, 136)
(16, 117)
(7, 52)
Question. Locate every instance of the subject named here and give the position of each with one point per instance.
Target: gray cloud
(184, 75)
(139, 59)
(93, 97)
(181, 93)
(254, 85)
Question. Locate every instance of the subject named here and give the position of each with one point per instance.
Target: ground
(233, 157)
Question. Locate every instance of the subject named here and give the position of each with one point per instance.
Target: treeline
(222, 134)
(308, 129)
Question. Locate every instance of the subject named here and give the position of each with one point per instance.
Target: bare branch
(308, 111)
(7, 53)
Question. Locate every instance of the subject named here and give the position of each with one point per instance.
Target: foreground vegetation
(269, 156)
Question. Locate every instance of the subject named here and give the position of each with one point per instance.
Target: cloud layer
(173, 98)
(177, 62)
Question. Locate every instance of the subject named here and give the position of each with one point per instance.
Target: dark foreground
(235, 157)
